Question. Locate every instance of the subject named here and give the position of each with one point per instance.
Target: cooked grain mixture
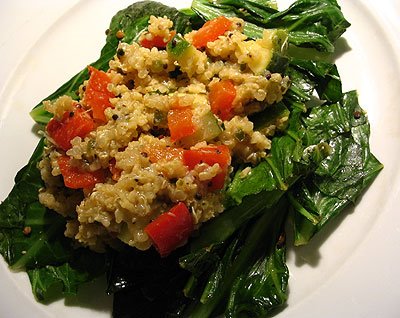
(164, 125)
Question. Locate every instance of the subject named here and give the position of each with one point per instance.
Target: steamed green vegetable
(320, 162)
(343, 175)
(311, 23)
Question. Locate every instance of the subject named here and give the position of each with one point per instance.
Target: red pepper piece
(72, 124)
(97, 96)
(180, 123)
(76, 177)
(210, 31)
(221, 97)
(171, 229)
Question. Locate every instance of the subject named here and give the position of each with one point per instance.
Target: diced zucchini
(254, 55)
(160, 118)
(178, 47)
(258, 54)
(279, 40)
(209, 127)
(187, 56)
(207, 130)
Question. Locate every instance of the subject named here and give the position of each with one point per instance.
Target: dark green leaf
(24, 193)
(272, 115)
(311, 23)
(262, 289)
(251, 11)
(253, 245)
(145, 285)
(343, 175)
(287, 162)
(51, 280)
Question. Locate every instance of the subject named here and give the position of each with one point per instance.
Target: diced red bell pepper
(171, 229)
(210, 31)
(157, 41)
(97, 96)
(221, 97)
(218, 182)
(210, 155)
(156, 154)
(78, 178)
(180, 123)
(73, 124)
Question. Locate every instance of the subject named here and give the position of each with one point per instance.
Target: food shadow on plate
(37, 130)
(341, 48)
(309, 254)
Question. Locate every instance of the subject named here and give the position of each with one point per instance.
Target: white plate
(348, 270)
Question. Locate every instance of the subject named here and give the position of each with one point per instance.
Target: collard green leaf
(263, 289)
(45, 244)
(312, 83)
(288, 160)
(49, 281)
(24, 193)
(219, 229)
(273, 115)
(343, 175)
(313, 209)
(311, 23)
(325, 77)
(327, 122)
(221, 270)
(199, 261)
(252, 246)
(26, 227)
(347, 180)
(251, 11)
(273, 174)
